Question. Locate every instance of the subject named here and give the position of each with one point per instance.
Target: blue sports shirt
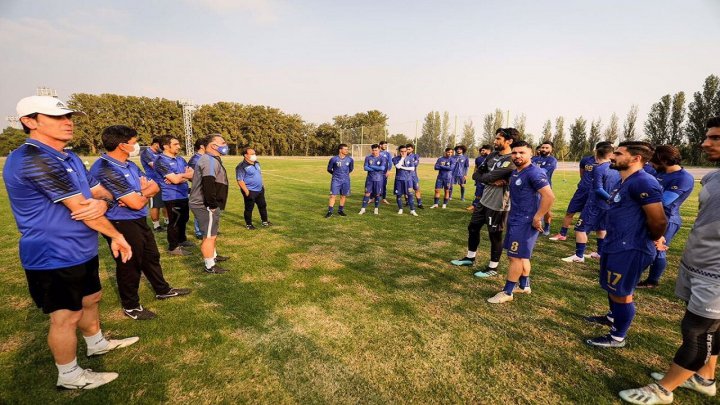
(588, 165)
(121, 179)
(147, 157)
(524, 197)
(376, 167)
(677, 187)
(547, 163)
(400, 174)
(462, 164)
(165, 165)
(340, 168)
(251, 174)
(193, 160)
(413, 159)
(605, 178)
(388, 159)
(445, 167)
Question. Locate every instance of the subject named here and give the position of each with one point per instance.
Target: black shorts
(64, 288)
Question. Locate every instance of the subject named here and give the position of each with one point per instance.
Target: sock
(462, 192)
(493, 265)
(611, 305)
(377, 202)
(624, 314)
(331, 209)
(411, 201)
(399, 203)
(209, 262)
(96, 341)
(509, 287)
(563, 231)
(445, 200)
(579, 249)
(419, 201)
(524, 281)
(156, 224)
(365, 201)
(600, 243)
(657, 268)
(436, 201)
(214, 253)
(546, 228)
(70, 371)
(341, 208)
(471, 255)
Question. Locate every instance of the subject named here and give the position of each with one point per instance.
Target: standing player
(388, 157)
(414, 160)
(249, 177)
(698, 284)
(460, 169)
(546, 161)
(376, 167)
(593, 216)
(531, 197)
(494, 203)
(147, 158)
(404, 181)
(445, 167)
(484, 151)
(581, 194)
(340, 167)
(635, 220)
(199, 147)
(677, 186)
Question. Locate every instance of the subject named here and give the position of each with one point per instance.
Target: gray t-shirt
(208, 165)
(497, 198)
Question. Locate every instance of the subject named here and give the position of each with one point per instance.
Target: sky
(320, 59)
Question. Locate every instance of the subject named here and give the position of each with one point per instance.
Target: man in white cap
(59, 208)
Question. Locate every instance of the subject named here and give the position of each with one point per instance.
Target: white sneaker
(87, 380)
(413, 213)
(692, 384)
(362, 211)
(112, 345)
(400, 212)
(444, 206)
(573, 259)
(518, 290)
(593, 255)
(376, 211)
(647, 395)
(434, 206)
(499, 298)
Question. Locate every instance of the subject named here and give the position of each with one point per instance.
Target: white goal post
(358, 151)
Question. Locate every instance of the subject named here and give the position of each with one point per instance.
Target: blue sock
(657, 268)
(624, 314)
(546, 228)
(611, 305)
(419, 201)
(445, 200)
(600, 242)
(462, 192)
(331, 209)
(563, 231)
(524, 281)
(509, 287)
(411, 202)
(437, 200)
(366, 199)
(579, 249)
(377, 201)
(341, 208)
(399, 202)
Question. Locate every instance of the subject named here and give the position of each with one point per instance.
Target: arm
(547, 197)
(118, 245)
(400, 166)
(501, 173)
(331, 166)
(351, 167)
(136, 201)
(655, 219)
(177, 178)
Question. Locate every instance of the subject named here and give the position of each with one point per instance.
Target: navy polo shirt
(165, 165)
(38, 178)
(250, 174)
(524, 196)
(146, 158)
(121, 179)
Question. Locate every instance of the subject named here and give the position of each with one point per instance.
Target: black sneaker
(174, 292)
(647, 284)
(606, 341)
(178, 251)
(600, 320)
(160, 229)
(421, 207)
(267, 223)
(187, 243)
(250, 227)
(139, 314)
(198, 236)
(219, 258)
(342, 213)
(329, 214)
(215, 270)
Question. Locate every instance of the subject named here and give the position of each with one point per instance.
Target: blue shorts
(340, 188)
(520, 238)
(459, 180)
(443, 183)
(577, 203)
(404, 187)
(621, 271)
(374, 187)
(592, 218)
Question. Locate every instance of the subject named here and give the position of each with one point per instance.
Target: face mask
(135, 151)
(223, 150)
(253, 158)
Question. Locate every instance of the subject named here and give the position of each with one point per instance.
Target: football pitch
(356, 309)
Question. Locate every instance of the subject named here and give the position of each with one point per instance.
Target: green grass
(347, 310)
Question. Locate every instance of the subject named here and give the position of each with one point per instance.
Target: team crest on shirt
(617, 198)
(505, 164)
(589, 168)
(643, 195)
(518, 182)
(674, 188)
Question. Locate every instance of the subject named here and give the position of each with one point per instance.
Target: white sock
(156, 224)
(209, 263)
(214, 253)
(70, 371)
(493, 265)
(96, 341)
(471, 255)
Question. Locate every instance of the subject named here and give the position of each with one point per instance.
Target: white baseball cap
(46, 105)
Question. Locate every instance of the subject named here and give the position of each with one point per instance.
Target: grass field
(361, 309)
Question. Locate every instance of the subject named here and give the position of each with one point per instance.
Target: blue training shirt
(121, 179)
(478, 162)
(626, 221)
(376, 167)
(38, 178)
(524, 197)
(588, 165)
(605, 178)
(413, 159)
(680, 183)
(445, 167)
(401, 174)
(147, 157)
(547, 163)
(165, 165)
(340, 168)
(388, 159)
(462, 164)
(193, 160)
(251, 174)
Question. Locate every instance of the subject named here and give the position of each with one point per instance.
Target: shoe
(266, 224)
(329, 214)
(499, 298)
(250, 227)
(215, 270)
(434, 206)
(692, 384)
(362, 211)
(112, 345)
(647, 395)
(647, 284)
(87, 380)
(518, 290)
(160, 229)
(444, 206)
(139, 314)
(606, 341)
(342, 213)
(198, 236)
(573, 259)
(413, 213)
(465, 261)
(558, 237)
(187, 243)
(488, 272)
(421, 206)
(400, 211)
(384, 201)
(462, 199)
(174, 292)
(178, 251)
(600, 320)
(376, 211)
(593, 255)
(219, 258)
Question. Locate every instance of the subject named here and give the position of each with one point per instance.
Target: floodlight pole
(188, 108)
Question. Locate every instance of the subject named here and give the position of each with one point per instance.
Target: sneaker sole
(124, 343)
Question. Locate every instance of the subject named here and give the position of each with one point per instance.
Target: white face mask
(253, 158)
(135, 151)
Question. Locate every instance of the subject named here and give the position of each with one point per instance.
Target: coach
(249, 178)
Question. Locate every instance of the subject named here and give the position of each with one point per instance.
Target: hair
(666, 155)
(448, 150)
(401, 147)
(166, 139)
(383, 143)
(202, 142)
(26, 129)
(461, 147)
(603, 149)
(410, 146)
(488, 147)
(713, 122)
(246, 149)
(639, 148)
(113, 136)
(342, 145)
(601, 144)
(374, 146)
(552, 145)
(509, 134)
(210, 138)
(156, 140)
(518, 144)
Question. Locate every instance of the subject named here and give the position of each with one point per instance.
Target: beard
(544, 154)
(618, 166)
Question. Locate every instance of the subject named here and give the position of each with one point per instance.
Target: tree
(578, 138)
(657, 125)
(446, 138)
(488, 134)
(499, 120)
(468, 137)
(547, 131)
(630, 123)
(399, 139)
(594, 136)
(677, 117)
(612, 132)
(10, 139)
(429, 142)
(561, 149)
(705, 104)
(519, 124)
